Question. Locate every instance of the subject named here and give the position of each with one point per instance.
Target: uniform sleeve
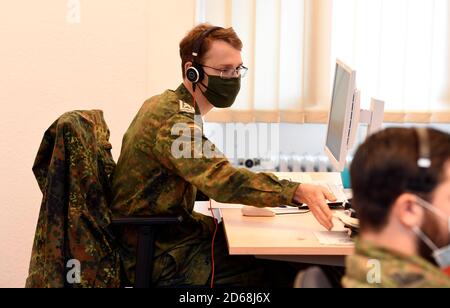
(181, 147)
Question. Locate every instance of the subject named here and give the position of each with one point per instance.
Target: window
(399, 48)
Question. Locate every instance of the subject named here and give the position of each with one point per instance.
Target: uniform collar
(372, 251)
(184, 95)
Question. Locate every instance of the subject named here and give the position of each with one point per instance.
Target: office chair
(73, 168)
(146, 243)
(313, 277)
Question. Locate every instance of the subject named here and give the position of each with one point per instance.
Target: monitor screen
(336, 125)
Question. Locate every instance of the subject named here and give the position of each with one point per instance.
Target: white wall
(119, 54)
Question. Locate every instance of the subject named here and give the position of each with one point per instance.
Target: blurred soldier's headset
(195, 73)
(424, 182)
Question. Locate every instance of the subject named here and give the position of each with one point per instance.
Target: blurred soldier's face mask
(440, 255)
(221, 92)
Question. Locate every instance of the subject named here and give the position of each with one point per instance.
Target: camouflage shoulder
(160, 107)
(185, 118)
(172, 104)
(184, 107)
(184, 112)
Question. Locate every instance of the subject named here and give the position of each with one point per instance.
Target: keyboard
(337, 191)
(271, 211)
(347, 220)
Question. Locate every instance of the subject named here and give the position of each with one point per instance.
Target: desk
(285, 238)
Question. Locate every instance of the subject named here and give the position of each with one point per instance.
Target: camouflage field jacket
(375, 267)
(72, 168)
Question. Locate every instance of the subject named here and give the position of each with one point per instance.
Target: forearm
(219, 180)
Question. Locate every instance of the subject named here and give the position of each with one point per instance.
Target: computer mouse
(253, 211)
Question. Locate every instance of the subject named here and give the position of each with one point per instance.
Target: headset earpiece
(195, 73)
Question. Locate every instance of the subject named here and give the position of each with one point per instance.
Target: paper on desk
(337, 238)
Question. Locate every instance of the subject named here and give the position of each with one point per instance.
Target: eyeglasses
(230, 73)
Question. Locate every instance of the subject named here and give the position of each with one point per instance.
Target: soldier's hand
(315, 197)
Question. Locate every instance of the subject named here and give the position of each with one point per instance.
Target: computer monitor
(339, 120)
(345, 116)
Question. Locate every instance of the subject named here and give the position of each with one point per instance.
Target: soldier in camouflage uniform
(152, 178)
(396, 270)
(404, 210)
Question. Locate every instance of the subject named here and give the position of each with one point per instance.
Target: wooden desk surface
(284, 235)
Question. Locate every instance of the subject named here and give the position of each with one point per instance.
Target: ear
(187, 65)
(407, 212)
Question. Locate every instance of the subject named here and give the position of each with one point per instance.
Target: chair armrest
(146, 221)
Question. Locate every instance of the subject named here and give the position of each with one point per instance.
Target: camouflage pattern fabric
(72, 168)
(396, 270)
(151, 180)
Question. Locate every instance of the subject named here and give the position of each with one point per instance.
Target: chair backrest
(313, 277)
(73, 167)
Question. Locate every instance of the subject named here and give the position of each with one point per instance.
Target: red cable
(212, 245)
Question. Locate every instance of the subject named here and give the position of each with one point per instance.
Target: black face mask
(221, 93)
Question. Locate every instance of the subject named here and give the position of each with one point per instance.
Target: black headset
(424, 182)
(195, 73)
